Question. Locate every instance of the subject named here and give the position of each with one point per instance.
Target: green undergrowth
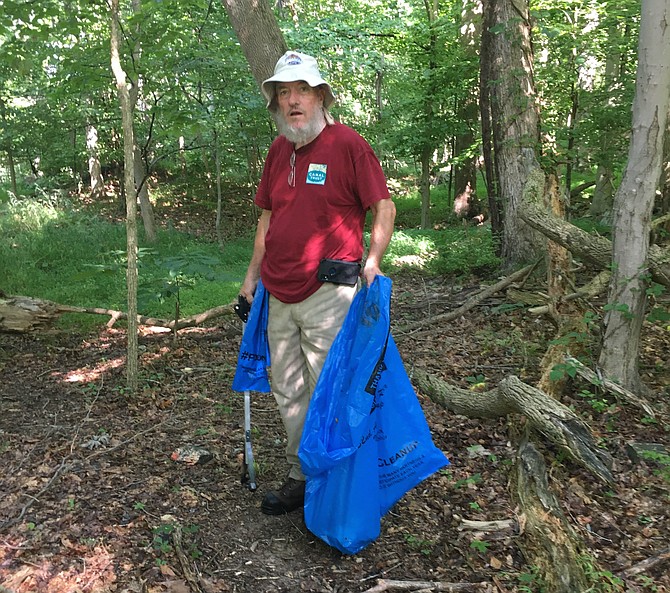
(53, 249)
(454, 251)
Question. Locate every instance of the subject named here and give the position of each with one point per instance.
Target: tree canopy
(401, 70)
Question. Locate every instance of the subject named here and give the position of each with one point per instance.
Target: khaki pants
(299, 336)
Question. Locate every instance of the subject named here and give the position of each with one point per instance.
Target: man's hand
(370, 272)
(248, 289)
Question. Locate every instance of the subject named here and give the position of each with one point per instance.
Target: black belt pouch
(339, 272)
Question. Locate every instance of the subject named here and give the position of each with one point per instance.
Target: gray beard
(301, 135)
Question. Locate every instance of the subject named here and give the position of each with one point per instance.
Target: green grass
(449, 252)
(449, 248)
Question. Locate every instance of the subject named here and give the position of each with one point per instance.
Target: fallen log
(589, 247)
(549, 540)
(647, 563)
(22, 314)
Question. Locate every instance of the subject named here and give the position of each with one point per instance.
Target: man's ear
(322, 94)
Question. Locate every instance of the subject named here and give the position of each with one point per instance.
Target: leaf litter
(78, 516)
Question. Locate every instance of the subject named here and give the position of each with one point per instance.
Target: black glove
(242, 308)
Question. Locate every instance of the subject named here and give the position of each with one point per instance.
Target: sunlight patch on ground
(412, 261)
(86, 375)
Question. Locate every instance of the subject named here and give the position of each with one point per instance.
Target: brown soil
(78, 518)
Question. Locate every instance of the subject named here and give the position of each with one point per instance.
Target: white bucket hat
(293, 66)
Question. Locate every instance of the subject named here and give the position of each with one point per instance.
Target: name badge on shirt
(316, 174)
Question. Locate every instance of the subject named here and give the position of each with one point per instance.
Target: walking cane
(248, 470)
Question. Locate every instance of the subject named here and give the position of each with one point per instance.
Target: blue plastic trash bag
(253, 359)
(366, 441)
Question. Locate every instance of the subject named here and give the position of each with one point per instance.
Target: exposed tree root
(546, 415)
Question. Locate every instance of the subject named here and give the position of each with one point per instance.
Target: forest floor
(91, 499)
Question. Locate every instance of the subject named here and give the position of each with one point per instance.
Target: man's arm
(383, 217)
(254, 270)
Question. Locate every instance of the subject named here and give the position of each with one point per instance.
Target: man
(319, 179)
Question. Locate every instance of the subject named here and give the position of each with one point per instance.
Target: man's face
(300, 105)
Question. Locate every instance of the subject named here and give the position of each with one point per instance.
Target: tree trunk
(428, 143)
(94, 169)
(515, 123)
(571, 124)
(12, 170)
(142, 185)
(259, 35)
(75, 167)
(486, 82)
(424, 186)
(663, 204)
(465, 177)
(140, 169)
(601, 204)
(123, 88)
(9, 150)
(634, 200)
(219, 196)
(566, 314)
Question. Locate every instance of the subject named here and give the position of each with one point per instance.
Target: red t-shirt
(337, 178)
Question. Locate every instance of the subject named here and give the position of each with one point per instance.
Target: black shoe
(289, 497)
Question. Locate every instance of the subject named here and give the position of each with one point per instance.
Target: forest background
(425, 83)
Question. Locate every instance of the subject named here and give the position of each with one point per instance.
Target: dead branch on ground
(470, 303)
(609, 385)
(647, 563)
(594, 288)
(391, 585)
(487, 526)
(195, 581)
